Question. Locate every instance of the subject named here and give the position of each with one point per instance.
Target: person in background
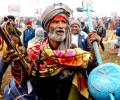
(116, 42)
(28, 33)
(79, 37)
(11, 19)
(101, 31)
(118, 37)
(56, 70)
(39, 35)
(13, 32)
(84, 27)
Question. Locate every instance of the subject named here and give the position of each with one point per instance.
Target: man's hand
(93, 36)
(73, 45)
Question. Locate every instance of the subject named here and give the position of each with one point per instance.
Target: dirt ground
(107, 56)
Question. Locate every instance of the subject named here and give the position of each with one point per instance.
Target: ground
(108, 55)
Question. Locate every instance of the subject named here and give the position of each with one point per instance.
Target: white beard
(56, 37)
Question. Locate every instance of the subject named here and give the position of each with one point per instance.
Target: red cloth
(59, 18)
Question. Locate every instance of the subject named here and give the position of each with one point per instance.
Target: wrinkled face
(75, 28)
(58, 28)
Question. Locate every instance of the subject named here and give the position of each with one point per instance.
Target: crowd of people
(58, 54)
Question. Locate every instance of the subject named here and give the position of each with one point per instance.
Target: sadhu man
(57, 72)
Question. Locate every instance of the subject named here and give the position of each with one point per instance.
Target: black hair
(11, 17)
(5, 18)
(82, 23)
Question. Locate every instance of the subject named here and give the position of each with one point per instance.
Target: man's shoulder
(83, 34)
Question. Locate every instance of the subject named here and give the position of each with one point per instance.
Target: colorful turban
(51, 11)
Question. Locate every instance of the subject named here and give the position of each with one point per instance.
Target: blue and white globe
(105, 80)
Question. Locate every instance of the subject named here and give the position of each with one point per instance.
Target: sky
(28, 7)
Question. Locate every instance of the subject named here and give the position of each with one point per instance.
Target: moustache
(60, 30)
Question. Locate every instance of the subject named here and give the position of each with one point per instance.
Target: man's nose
(60, 25)
(74, 28)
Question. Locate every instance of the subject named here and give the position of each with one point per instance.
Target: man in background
(28, 33)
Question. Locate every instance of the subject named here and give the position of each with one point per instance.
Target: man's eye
(74, 27)
(63, 21)
(55, 21)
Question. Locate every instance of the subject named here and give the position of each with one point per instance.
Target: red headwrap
(60, 17)
(28, 22)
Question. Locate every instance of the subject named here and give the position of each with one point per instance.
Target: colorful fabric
(53, 62)
(79, 87)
